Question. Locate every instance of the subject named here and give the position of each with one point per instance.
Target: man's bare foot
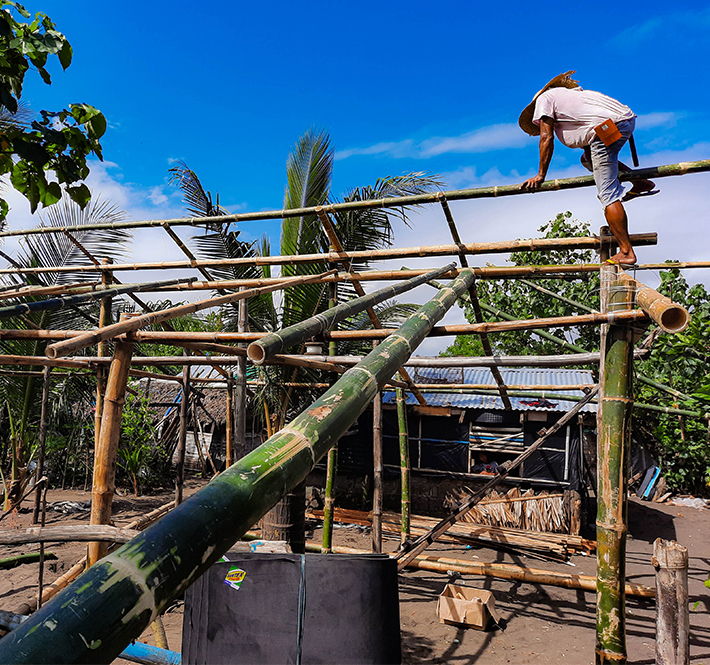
(624, 258)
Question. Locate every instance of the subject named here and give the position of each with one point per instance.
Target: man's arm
(547, 146)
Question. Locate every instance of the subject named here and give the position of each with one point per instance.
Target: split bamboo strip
(473, 299)
(279, 341)
(73, 345)
(502, 247)
(409, 550)
(670, 317)
(111, 604)
(670, 559)
(67, 301)
(104, 483)
(337, 246)
(681, 168)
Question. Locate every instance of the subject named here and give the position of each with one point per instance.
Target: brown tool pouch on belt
(608, 132)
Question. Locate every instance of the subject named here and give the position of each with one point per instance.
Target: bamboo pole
(53, 304)
(408, 551)
(331, 469)
(378, 468)
(182, 436)
(681, 168)
(67, 534)
(475, 304)
(104, 482)
(279, 341)
(114, 600)
(672, 617)
(404, 464)
(229, 424)
(613, 443)
(501, 247)
(35, 291)
(241, 385)
(102, 349)
(41, 443)
(347, 263)
(670, 317)
(108, 332)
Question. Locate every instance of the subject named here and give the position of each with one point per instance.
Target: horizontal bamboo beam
(96, 294)
(32, 290)
(682, 168)
(134, 323)
(66, 534)
(502, 247)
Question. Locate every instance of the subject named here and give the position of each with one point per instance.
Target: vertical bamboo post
(182, 435)
(613, 438)
(240, 394)
(41, 442)
(672, 618)
(229, 444)
(377, 473)
(104, 482)
(102, 348)
(332, 465)
(404, 463)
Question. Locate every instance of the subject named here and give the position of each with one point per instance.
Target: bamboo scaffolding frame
(109, 332)
(681, 168)
(279, 341)
(473, 299)
(146, 574)
(501, 247)
(347, 263)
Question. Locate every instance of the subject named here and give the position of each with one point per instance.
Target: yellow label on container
(235, 577)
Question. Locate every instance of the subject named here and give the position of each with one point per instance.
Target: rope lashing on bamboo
(59, 303)
(111, 331)
(280, 340)
(681, 168)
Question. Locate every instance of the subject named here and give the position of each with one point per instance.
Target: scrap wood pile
(532, 543)
(527, 510)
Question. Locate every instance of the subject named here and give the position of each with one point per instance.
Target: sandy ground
(539, 624)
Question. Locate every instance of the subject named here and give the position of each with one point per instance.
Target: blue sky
(401, 86)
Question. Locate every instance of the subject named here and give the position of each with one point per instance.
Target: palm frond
(198, 201)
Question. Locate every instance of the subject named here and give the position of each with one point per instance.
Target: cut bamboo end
(670, 317)
(256, 354)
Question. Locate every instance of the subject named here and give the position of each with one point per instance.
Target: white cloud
(652, 120)
(485, 139)
(685, 25)
(156, 196)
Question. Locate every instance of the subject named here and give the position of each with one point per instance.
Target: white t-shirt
(577, 112)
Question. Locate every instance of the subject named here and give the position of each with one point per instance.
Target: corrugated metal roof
(511, 376)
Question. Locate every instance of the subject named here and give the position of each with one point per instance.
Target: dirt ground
(539, 624)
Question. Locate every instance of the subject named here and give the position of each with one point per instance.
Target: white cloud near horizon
(684, 24)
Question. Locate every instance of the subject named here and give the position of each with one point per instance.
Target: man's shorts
(605, 164)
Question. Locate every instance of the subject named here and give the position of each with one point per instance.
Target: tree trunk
(286, 520)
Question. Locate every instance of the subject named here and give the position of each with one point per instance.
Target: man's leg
(619, 225)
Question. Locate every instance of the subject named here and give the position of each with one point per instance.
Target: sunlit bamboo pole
(681, 168)
(112, 603)
(182, 434)
(72, 345)
(41, 445)
(377, 473)
(106, 452)
(404, 463)
(501, 247)
(331, 468)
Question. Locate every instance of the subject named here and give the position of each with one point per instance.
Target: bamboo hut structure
(129, 587)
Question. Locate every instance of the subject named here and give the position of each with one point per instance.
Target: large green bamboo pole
(404, 462)
(613, 445)
(94, 619)
(279, 341)
(681, 168)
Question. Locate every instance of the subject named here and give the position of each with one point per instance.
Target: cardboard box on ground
(466, 606)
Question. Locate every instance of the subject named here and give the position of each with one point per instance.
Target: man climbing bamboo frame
(600, 126)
